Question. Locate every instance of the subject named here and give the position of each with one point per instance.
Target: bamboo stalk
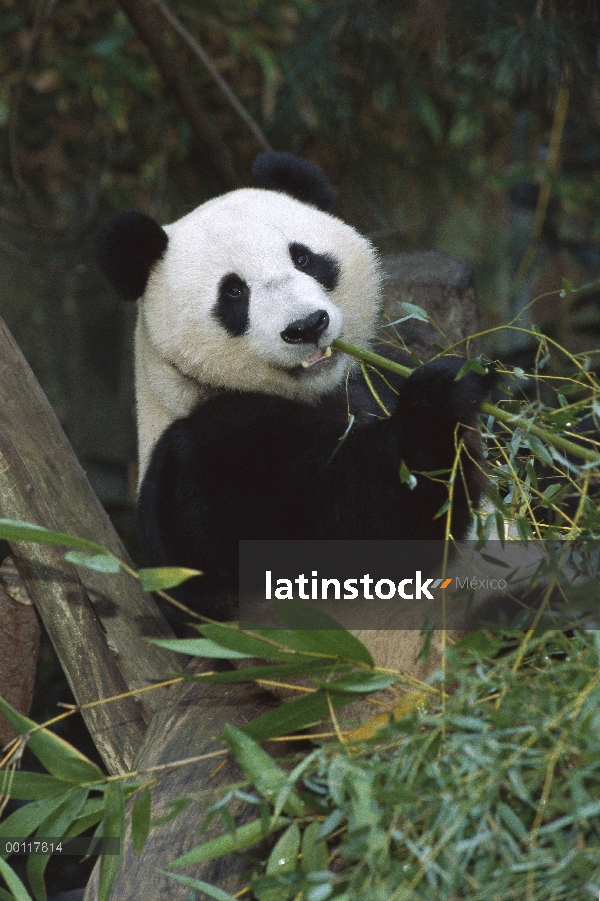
(512, 420)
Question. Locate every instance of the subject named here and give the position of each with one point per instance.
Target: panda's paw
(434, 390)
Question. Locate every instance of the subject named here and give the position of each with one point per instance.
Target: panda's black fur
(254, 466)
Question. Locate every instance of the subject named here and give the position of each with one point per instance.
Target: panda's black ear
(125, 248)
(294, 176)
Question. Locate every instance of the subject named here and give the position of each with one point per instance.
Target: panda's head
(250, 289)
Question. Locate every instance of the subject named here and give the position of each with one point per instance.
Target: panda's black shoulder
(249, 423)
(233, 411)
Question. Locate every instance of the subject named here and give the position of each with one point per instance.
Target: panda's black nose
(307, 330)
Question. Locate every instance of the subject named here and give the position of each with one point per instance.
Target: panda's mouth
(321, 355)
(321, 358)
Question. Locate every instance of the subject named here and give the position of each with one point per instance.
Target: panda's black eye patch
(231, 308)
(324, 269)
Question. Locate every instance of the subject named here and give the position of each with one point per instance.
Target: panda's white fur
(182, 353)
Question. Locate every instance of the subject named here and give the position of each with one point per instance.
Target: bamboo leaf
(15, 530)
(25, 786)
(360, 683)
(314, 850)
(210, 891)
(262, 770)
(251, 645)
(140, 819)
(295, 715)
(243, 837)
(59, 757)
(199, 647)
(159, 578)
(56, 824)
(471, 365)
(273, 672)
(18, 890)
(406, 476)
(540, 450)
(322, 634)
(113, 825)
(24, 821)
(282, 860)
(104, 563)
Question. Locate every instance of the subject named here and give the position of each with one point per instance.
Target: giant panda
(241, 401)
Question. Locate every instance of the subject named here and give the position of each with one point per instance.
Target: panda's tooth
(305, 364)
(328, 351)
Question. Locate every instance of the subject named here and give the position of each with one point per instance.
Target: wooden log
(188, 726)
(19, 645)
(97, 622)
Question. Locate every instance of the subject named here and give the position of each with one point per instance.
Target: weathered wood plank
(97, 622)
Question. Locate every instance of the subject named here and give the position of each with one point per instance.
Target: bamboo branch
(214, 73)
(513, 420)
(552, 163)
(151, 33)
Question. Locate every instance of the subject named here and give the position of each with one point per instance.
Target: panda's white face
(252, 290)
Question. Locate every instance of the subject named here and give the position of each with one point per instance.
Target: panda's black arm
(431, 404)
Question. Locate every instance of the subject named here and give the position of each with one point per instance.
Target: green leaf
(173, 809)
(282, 860)
(322, 634)
(532, 474)
(273, 671)
(295, 715)
(243, 837)
(443, 509)
(59, 757)
(104, 563)
(113, 825)
(499, 519)
(524, 528)
(251, 645)
(209, 890)
(56, 824)
(494, 560)
(551, 491)
(567, 287)
(159, 578)
(540, 450)
(314, 850)
(412, 312)
(15, 885)
(140, 819)
(512, 821)
(471, 365)
(481, 644)
(26, 819)
(270, 780)
(15, 530)
(343, 438)
(199, 647)
(87, 820)
(25, 786)
(360, 683)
